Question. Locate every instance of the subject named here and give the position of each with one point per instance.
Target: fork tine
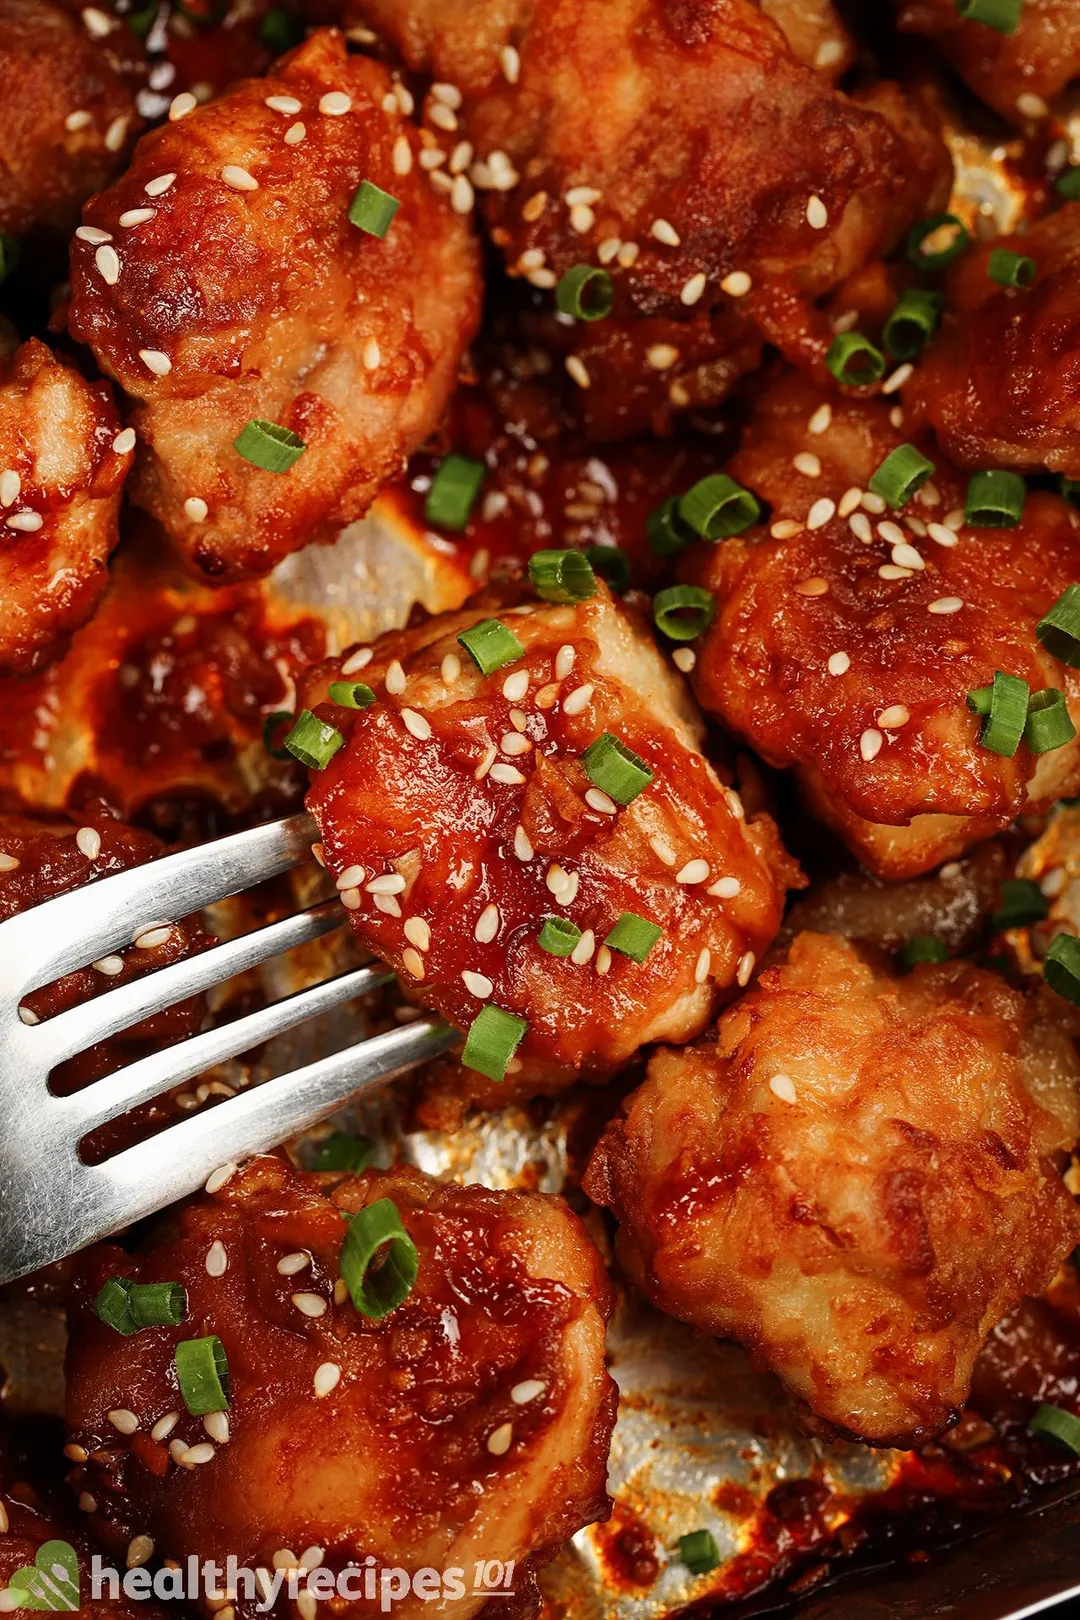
(159, 1071)
(73, 1031)
(145, 1178)
(76, 928)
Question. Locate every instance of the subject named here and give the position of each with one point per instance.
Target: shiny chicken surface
(1018, 72)
(470, 1423)
(846, 645)
(814, 1186)
(237, 289)
(459, 816)
(63, 459)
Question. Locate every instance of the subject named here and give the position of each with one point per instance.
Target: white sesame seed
(499, 1440)
(239, 179)
(662, 850)
(581, 196)
(817, 215)
(388, 883)
(628, 255)
(849, 502)
(80, 119)
(603, 960)
(807, 464)
(508, 775)
(786, 529)
(418, 932)
(351, 878)
(897, 380)
(91, 233)
(954, 520)
(159, 185)
(820, 513)
(28, 522)
(663, 231)
(744, 969)
(894, 571)
(891, 533)
(217, 1178)
(661, 356)
(216, 1425)
(684, 658)
(477, 984)
(946, 604)
(335, 104)
(839, 664)
(196, 509)
(295, 134)
(702, 966)
(404, 98)
(137, 216)
(372, 354)
(782, 1086)
(897, 714)
(181, 105)
(1031, 106)
(88, 840)
(821, 421)
(309, 1304)
(905, 556)
(11, 482)
(695, 871)
(582, 219)
(516, 685)
(284, 104)
(870, 744)
(578, 699)
(395, 679)
(510, 62)
(156, 361)
(9, 863)
(487, 759)
(151, 938)
(576, 369)
(412, 962)
(693, 289)
(527, 1391)
(193, 1456)
(357, 661)
(873, 503)
(523, 848)
(110, 966)
(417, 725)
(462, 196)
(327, 1377)
(737, 284)
(860, 528)
(941, 535)
(97, 23)
(442, 117)
(290, 1264)
(122, 1420)
(725, 888)
(487, 925)
(583, 950)
(564, 661)
(28, 1016)
(597, 799)
(139, 1550)
(122, 444)
(87, 1504)
(165, 1426)
(217, 1260)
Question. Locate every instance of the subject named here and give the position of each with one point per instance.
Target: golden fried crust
(1037, 60)
(490, 824)
(999, 383)
(58, 470)
(861, 1223)
(883, 739)
(395, 1461)
(69, 109)
(268, 303)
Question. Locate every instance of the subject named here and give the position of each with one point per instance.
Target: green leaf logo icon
(50, 1582)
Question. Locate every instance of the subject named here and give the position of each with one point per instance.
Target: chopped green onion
(351, 694)
(279, 31)
(372, 209)
(585, 292)
(1022, 902)
(1067, 183)
(1061, 967)
(1049, 723)
(141, 21)
(924, 257)
(913, 322)
(717, 507)
(900, 475)
(157, 1304)
(490, 645)
(453, 492)
(494, 1036)
(1011, 269)
(1069, 490)
(113, 1305)
(558, 936)
(312, 741)
(562, 576)
(1005, 706)
(995, 499)
(665, 531)
(611, 563)
(1059, 630)
(270, 725)
(683, 611)
(377, 1293)
(1054, 1423)
(923, 948)
(269, 446)
(633, 936)
(203, 1371)
(9, 255)
(1004, 15)
(699, 1552)
(853, 360)
(615, 769)
(340, 1151)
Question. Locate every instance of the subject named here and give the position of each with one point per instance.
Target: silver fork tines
(51, 1202)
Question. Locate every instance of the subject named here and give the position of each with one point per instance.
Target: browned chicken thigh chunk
(222, 281)
(856, 1182)
(1017, 72)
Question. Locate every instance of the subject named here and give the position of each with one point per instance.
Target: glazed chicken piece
(63, 460)
(1015, 73)
(471, 1422)
(464, 812)
(816, 33)
(999, 383)
(846, 646)
(856, 1182)
(688, 149)
(237, 291)
(68, 78)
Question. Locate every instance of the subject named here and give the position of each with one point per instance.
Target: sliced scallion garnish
(377, 1292)
(490, 645)
(161, 1304)
(312, 741)
(665, 531)
(913, 322)
(1061, 967)
(269, 446)
(923, 948)
(453, 492)
(1022, 902)
(1049, 723)
(1054, 1423)
(558, 936)
(342, 1152)
(562, 576)
(611, 563)
(1059, 630)
(372, 209)
(717, 507)
(202, 1369)
(683, 612)
(615, 769)
(113, 1305)
(699, 1552)
(351, 694)
(1004, 705)
(586, 292)
(951, 234)
(900, 475)
(854, 361)
(995, 499)
(494, 1036)
(633, 936)
(1011, 269)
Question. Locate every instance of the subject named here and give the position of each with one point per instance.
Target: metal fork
(51, 1202)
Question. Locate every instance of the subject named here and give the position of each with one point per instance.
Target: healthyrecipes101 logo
(52, 1582)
